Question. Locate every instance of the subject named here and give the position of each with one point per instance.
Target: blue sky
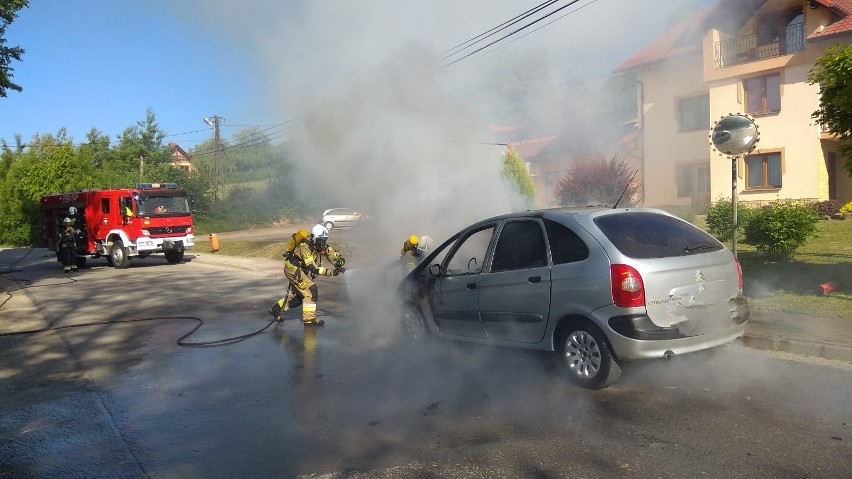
(102, 63)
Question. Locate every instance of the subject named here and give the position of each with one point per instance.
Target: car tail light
(627, 288)
(739, 273)
(189, 229)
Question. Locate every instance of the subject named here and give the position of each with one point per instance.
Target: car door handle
(471, 285)
(534, 279)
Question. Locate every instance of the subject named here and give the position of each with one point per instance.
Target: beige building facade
(740, 56)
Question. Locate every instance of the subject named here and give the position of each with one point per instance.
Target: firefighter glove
(336, 272)
(340, 262)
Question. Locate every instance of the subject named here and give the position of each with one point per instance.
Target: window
(105, 206)
(652, 235)
(469, 257)
(763, 94)
(565, 245)
(693, 179)
(694, 113)
(763, 171)
(521, 246)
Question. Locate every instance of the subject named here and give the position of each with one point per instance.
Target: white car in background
(341, 218)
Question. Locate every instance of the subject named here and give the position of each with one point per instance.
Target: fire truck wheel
(118, 254)
(174, 256)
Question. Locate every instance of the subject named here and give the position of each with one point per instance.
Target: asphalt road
(121, 399)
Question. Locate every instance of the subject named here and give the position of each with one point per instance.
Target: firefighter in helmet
(303, 260)
(68, 246)
(414, 250)
(409, 255)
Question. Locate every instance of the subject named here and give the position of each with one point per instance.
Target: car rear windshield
(652, 235)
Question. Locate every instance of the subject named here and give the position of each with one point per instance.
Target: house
(739, 56)
(180, 158)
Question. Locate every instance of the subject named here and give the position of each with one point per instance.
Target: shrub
(846, 209)
(779, 229)
(719, 215)
(598, 182)
(827, 207)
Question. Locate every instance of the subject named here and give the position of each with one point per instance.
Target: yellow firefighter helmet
(300, 236)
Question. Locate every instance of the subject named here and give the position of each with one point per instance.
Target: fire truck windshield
(162, 205)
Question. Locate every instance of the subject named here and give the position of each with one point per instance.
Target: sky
(102, 64)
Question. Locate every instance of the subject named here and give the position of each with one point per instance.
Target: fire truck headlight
(146, 233)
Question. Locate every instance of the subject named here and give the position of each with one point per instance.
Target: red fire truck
(122, 224)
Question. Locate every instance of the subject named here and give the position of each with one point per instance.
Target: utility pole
(218, 160)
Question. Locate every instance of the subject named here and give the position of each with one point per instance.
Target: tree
(597, 182)
(833, 73)
(8, 13)
(515, 170)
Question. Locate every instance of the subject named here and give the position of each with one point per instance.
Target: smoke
(380, 127)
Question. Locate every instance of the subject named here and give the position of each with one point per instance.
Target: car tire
(587, 358)
(328, 225)
(414, 327)
(118, 255)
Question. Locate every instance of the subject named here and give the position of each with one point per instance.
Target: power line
(445, 54)
(572, 2)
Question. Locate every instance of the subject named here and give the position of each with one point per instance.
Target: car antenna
(625, 189)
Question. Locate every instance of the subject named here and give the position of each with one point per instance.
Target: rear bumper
(635, 337)
(628, 349)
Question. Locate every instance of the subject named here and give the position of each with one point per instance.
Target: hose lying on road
(25, 284)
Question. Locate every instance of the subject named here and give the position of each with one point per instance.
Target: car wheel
(414, 324)
(587, 357)
(328, 225)
(174, 256)
(118, 255)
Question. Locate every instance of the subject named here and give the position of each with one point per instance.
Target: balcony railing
(746, 49)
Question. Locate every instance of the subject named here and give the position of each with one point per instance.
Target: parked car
(341, 217)
(595, 286)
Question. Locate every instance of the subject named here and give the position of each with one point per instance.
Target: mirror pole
(734, 161)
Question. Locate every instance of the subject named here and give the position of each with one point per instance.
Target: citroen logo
(699, 277)
(169, 230)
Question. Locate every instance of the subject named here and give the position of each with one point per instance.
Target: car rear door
(514, 295)
(454, 297)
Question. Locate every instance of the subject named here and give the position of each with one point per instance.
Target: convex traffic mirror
(734, 135)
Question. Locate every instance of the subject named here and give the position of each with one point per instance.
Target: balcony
(752, 48)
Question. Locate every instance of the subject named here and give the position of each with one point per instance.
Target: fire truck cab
(122, 224)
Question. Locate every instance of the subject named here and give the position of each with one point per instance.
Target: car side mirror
(435, 270)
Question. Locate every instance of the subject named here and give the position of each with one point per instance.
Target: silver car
(340, 217)
(596, 286)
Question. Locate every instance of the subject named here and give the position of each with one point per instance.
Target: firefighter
(79, 225)
(68, 246)
(410, 255)
(302, 264)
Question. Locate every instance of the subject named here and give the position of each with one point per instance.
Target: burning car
(595, 286)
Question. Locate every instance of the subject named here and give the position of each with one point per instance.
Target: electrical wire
(494, 30)
(513, 32)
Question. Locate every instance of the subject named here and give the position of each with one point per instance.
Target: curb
(801, 347)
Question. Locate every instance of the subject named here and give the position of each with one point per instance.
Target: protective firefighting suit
(410, 254)
(67, 247)
(302, 264)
